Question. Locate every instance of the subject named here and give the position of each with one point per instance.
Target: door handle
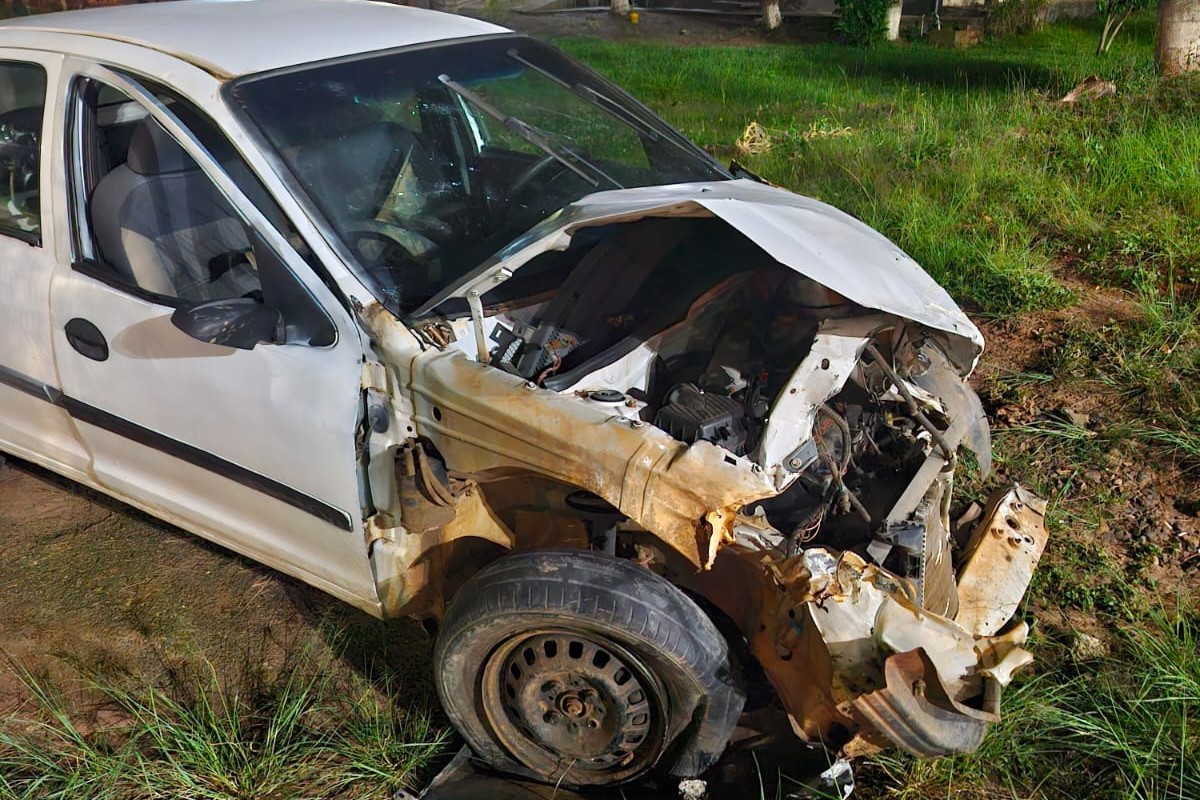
(87, 339)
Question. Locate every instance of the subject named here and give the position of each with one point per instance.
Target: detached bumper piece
(924, 679)
(915, 712)
(999, 560)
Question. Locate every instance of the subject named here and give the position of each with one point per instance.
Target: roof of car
(240, 37)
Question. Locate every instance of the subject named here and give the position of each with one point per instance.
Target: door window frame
(82, 253)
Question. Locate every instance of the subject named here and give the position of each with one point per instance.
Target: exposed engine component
(691, 414)
(710, 363)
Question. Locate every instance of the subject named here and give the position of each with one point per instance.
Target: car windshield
(427, 161)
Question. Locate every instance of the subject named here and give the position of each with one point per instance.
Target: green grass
(1123, 727)
(959, 156)
(301, 733)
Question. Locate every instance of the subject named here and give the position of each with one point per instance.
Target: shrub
(863, 22)
(1016, 17)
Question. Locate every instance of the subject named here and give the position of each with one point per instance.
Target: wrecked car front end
(744, 391)
(586, 337)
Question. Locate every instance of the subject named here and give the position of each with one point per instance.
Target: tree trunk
(893, 20)
(619, 8)
(772, 17)
(1177, 46)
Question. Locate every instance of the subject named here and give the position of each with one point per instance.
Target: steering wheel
(403, 255)
(531, 172)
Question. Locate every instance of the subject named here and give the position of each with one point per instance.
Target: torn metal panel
(483, 419)
(999, 560)
(417, 570)
(915, 712)
(833, 357)
(827, 630)
(864, 612)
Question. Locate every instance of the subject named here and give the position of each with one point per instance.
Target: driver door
(252, 448)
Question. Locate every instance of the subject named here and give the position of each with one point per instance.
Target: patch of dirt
(1023, 343)
(1151, 502)
(93, 588)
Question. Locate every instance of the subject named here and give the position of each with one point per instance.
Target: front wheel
(575, 667)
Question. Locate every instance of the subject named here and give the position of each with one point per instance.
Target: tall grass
(1122, 729)
(301, 734)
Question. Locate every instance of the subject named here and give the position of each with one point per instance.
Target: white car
(428, 315)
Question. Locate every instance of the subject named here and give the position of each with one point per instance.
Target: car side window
(22, 105)
(155, 220)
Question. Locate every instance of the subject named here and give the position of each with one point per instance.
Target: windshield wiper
(626, 115)
(590, 94)
(530, 134)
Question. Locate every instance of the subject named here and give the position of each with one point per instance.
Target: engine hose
(913, 409)
(844, 427)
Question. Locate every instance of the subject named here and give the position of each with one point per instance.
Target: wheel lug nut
(550, 718)
(551, 687)
(593, 723)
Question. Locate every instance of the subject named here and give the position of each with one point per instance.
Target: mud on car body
(447, 325)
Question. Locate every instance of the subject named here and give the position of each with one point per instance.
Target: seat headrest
(152, 151)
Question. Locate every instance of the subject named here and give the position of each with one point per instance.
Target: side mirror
(241, 322)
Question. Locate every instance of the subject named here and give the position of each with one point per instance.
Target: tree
(1177, 46)
(1115, 12)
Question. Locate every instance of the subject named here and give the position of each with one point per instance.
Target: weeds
(302, 734)
(1121, 728)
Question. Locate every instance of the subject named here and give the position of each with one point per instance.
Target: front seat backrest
(159, 221)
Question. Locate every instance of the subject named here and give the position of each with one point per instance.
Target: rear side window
(22, 106)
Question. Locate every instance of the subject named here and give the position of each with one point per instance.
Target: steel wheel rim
(573, 704)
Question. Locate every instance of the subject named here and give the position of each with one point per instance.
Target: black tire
(516, 669)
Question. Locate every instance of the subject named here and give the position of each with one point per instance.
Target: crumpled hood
(811, 237)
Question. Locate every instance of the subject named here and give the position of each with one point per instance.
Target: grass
(300, 733)
(1123, 727)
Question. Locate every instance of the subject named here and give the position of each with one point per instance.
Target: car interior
(158, 222)
(22, 100)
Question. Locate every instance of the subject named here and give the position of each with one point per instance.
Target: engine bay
(689, 326)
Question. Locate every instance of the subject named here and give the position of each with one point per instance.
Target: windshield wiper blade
(629, 116)
(590, 94)
(529, 133)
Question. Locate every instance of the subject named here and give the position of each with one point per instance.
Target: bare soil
(93, 589)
